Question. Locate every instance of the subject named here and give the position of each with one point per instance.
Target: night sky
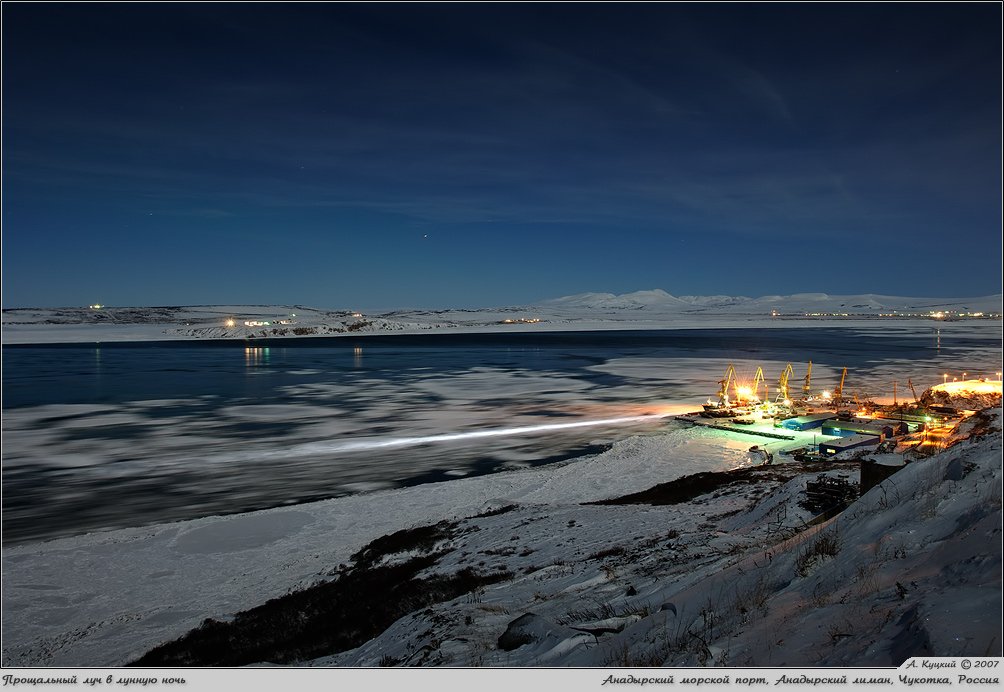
(389, 155)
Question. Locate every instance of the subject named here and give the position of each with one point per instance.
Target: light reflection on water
(254, 357)
(160, 434)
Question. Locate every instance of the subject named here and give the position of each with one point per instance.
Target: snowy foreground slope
(912, 568)
(653, 309)
(515, 569)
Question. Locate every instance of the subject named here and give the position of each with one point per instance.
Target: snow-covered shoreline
(104, 599)
(169, 333)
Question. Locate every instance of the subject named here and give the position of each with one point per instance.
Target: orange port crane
(757, 380)
(805, 387)
(782, 384)
(839, 391)
(723, 391)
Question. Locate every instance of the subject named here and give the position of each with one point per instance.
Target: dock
(697, 419)
(828, 419)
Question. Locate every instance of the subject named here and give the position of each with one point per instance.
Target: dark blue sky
(436, 155)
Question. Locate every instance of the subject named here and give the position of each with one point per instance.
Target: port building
(809, 422)
(844, 443)
(874, 472)
(883, 429)
(914, 422)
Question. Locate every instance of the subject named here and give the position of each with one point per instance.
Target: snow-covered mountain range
(650, 309)
(799, 303)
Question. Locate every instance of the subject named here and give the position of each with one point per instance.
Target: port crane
(757, 380)
(913, 391)
(839, 391)
(782, 384)
(723, 392)
(805, 386)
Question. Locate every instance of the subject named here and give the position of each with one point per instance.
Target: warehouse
(909, 423)
(844, 443)
(855, 426)
(808, 422)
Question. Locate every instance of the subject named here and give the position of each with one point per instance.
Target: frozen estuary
(166, 479)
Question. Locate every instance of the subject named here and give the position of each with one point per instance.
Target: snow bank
(737, 579)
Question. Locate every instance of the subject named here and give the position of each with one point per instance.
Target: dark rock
(668, 606)
(518, 632)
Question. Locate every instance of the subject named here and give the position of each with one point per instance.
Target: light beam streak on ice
(368, 444)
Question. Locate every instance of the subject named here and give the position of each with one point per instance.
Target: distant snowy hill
(799, 303)
(629, 301)
(650, 309)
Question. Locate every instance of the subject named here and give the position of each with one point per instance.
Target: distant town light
(230, 323)
(96, 306)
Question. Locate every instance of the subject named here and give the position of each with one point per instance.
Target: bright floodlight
(972, 387)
